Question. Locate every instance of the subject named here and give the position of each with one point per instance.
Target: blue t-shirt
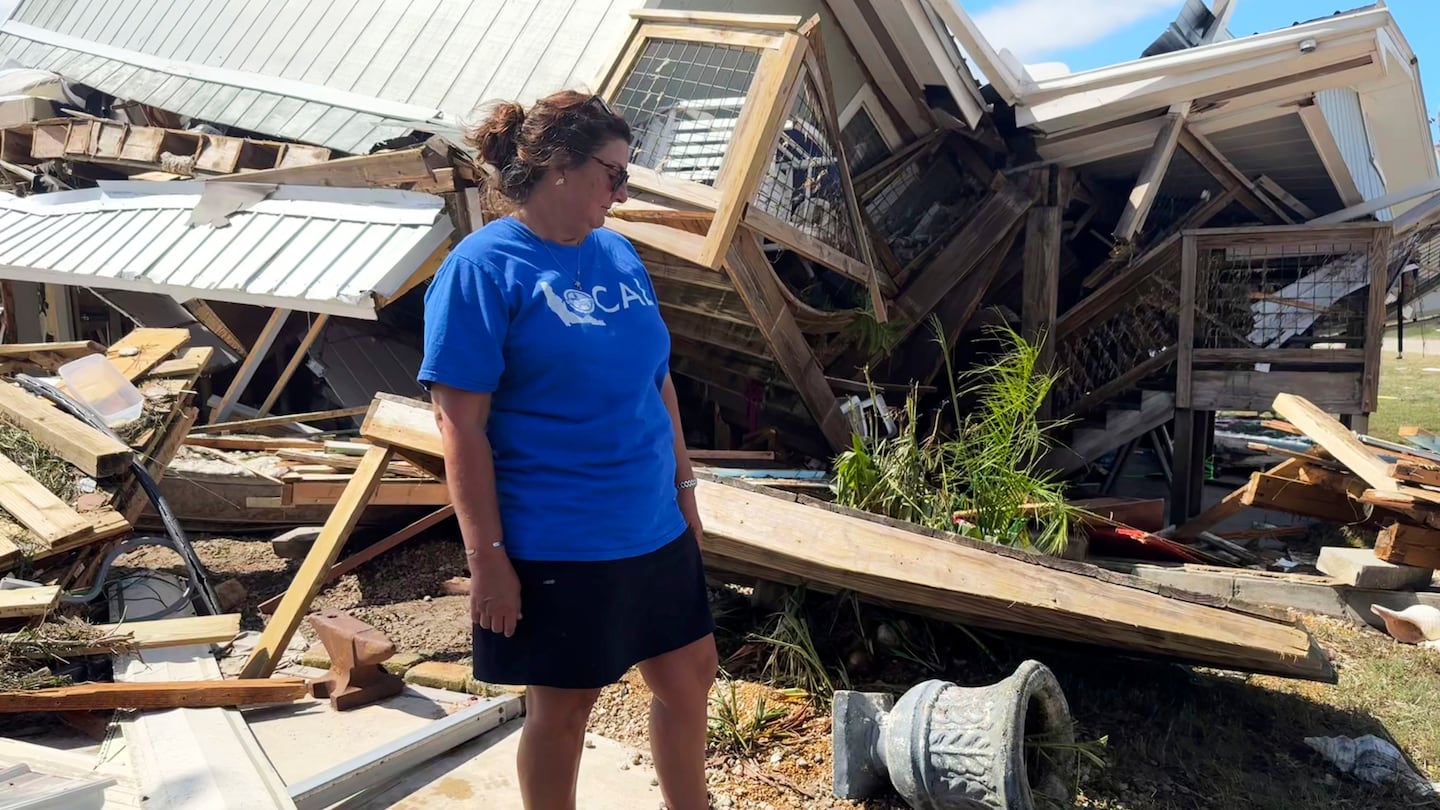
(583, 443)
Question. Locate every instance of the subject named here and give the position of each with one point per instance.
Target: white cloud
(1038, 28)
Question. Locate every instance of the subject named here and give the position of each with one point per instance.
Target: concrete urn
(948, 747)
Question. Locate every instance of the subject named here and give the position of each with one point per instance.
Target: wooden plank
(757, 285)
(1185, 342)
(1288, 357)
(753, 144)
(247, 370)
(50, 519)
(154, 345)
(1407, 545)
(308, 579)
(206, 314)
(256, 443)
(717, 19)
(160, 633)
(190, 365)
(1332, 391)
(1152, 175)
(96, 454)
(158, 695)
(987, 586)
(1227, 507)
(279, 421)
(316, 326)
(1337, 440)
(780, 231)
(1415, 474)
(389, 493)
(19, 602)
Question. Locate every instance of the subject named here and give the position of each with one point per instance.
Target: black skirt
(586, 623)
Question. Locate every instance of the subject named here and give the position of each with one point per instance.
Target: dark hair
(561, 130)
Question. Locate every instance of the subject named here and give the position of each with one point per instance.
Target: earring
(560, 181)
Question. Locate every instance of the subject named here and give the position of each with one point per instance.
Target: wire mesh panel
(683, 99)
(921, 203)
(1418, 254)
(1282, 296)
(803, 185)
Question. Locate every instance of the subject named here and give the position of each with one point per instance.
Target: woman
(547, 362)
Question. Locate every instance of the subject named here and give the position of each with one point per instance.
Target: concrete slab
(481, 773)
(1361, 568)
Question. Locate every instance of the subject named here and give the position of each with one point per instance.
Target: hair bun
(497, 138)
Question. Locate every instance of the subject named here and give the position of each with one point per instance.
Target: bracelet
(470, 552)
(688, 483)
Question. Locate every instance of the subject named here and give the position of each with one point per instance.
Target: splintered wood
(1349, 480)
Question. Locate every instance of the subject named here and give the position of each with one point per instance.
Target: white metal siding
(306, 248)
(1347, 123)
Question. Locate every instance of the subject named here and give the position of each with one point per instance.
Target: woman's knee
(683, 676)
(559, 709)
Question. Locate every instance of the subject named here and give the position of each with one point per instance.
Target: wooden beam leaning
(1204, 152)
(247, 370)
(753, 143)
(991, 224)
(759, 289)
(308, 579)
(1147, 185)
(311, 334)
(96, 454)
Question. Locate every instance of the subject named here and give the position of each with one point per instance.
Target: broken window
(682, 100)
(922, 203)
(864, 146)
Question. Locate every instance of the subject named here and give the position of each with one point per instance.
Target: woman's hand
(495, 595)
(691, 510)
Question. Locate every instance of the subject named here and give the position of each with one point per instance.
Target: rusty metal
(357, 652)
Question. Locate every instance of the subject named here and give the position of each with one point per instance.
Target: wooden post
(1379, 264)
(310, 336)
(308, 579)
(246, 372)
(1181, 509)
(1185, 342)
(1041, 285)
(9, 332)
(1147, 185)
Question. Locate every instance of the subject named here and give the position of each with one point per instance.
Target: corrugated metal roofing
(305, 248)
(343, 75)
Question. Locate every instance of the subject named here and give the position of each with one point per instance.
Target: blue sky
(1086, 34)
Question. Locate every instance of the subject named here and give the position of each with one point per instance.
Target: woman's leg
(680, 681)
(550, 745)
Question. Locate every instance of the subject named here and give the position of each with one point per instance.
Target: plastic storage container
(96, 382)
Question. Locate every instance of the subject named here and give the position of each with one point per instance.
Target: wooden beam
(50, 519)
(307, 581)
(397, 168)
(1278, 191)
(295, 360)
(1224, 509)
(989, 225)
(1147, 185)
(1300, 498)
(156, 695)
(20, 602)
(144, 348)
(158, 633)
(206, 314)
(1409, 545)
(1378, 263)
(1041, 282)
(753, 144)
(1328, 148)
(1354, 212)
(277, 421)
(1250, 390)
(758, 287)
(1337, 440)
(96, 454)
(1204, 152)
(247, 370)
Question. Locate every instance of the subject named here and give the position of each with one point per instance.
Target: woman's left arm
(684, 471)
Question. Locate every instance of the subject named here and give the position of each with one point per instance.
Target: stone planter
(947, 747)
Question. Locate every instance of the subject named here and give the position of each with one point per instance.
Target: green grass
(1409, 395)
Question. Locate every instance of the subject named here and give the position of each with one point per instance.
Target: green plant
(730, 728)
(870, 335)
(792, 660)
(985, 478)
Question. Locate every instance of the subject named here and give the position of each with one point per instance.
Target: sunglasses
(619, 174)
